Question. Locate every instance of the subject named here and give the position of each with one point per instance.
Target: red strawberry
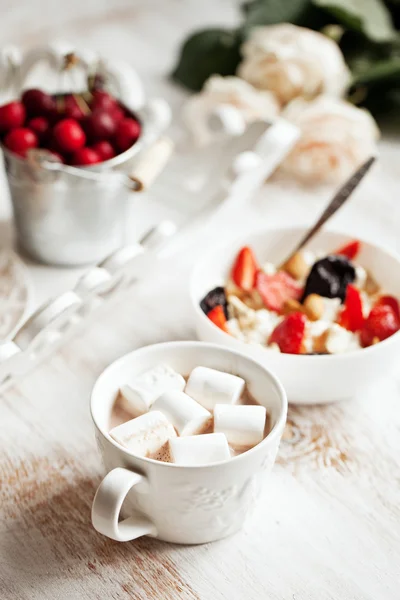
(381, 323)
(276, 289)
(245, 269)
(349, 250)
(217, 316)
(389, 301)
(289, 334)
(351, 317)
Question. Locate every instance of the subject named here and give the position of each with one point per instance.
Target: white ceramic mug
(187, 505)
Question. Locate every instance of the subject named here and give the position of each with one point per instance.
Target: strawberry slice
(244, 269)
(351, 317)
(276, 289)
(382, 322)
(389, 301)
(289, 334)
(217, 316)
(349, 250)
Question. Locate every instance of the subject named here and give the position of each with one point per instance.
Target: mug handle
(107, 504)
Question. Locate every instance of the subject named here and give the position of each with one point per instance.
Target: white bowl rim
(281, 355)
(280, 422)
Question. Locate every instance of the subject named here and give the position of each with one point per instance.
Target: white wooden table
(328, 523)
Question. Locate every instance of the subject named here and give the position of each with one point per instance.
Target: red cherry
(72, 110)
(12, 115)
(20, 140)
(102, 100)
(85, 156)
(40, 126)
(100, 125)
(117, 114)
(69, 135)
(38, 103)
(104, 150)
(128, 131)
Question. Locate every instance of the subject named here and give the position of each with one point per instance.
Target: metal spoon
(338, 200)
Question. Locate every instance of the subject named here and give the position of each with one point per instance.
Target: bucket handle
(151, 164)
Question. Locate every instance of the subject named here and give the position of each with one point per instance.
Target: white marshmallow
(274, 347)
(266, 321)
(138, 396)
(269, 268)
(186, 415)
(210, 387)
(366, 303)
(234, 329)
(314, 329)
(144, 435)
(340, 340)
(243, 425)
(199, 449)
(331, 309)
(254, 326)
(308, 257)
(361, 277)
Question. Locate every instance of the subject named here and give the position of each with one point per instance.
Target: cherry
(128, 131)
(38, 103)
(117, 114)
(103, 100)
(72, 110)
(85, 156)
(104, 150)
(100, 125)
(68, 135)
(12, 115)
(20, 140)
(40, 126)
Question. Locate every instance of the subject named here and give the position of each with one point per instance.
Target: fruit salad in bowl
(329, 306)
(313, 303)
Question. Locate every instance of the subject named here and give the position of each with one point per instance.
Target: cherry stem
(83, 105)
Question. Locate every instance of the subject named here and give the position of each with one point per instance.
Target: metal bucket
(72, 216)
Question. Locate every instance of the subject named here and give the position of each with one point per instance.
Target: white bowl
(307, 379)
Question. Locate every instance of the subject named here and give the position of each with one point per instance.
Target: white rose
(293, 61)
(336, 137)
(220, 92)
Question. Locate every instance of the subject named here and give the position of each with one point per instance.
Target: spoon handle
(338, 200)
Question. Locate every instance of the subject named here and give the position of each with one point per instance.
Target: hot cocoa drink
(205, 417)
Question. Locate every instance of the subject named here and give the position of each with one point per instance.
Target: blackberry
(329, 277)
(215, 297)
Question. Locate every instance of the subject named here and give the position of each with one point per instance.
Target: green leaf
(371, 17)
(271, 12)
(376, 73)
(206, 53)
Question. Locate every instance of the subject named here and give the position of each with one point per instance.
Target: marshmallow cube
(242, 425)
(210, 387)
(186, 415)
(199, 449)
(144, 435)
(138, 396)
